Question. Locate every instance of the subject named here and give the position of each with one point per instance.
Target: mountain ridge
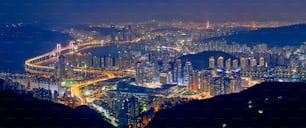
(26, 111)
(280, 36)
(264, 105)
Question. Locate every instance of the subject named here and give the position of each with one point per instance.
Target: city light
(129, 71)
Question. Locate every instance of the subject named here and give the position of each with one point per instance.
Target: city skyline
(128, 61)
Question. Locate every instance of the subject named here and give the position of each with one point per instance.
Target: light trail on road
(35, 65)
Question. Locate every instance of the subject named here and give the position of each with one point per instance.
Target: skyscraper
(220, 62)
(96, 62)
(228, 64)
(193, 80)
(144, 72)
(60, 68)
(261, 61)
(128, 59)
(120, 60)
(253, 62)
(211, 62)
(148, 72)
(164, 78)
(236, 81)
(235, 64)
(179, 72)
(102, 62)
(88, 60)
(139, 73)
(70, 71)
(165, 60)
(186, 74)
(109, 62)
(244, 64)
(133, 109)
(176, 70)
(204, 80)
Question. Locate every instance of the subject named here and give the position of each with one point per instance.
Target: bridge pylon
(71, 45)
(58, 49)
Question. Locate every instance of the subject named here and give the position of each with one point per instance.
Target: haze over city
(152, 63)
(95, 11)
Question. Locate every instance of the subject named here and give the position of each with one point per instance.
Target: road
(35, 65)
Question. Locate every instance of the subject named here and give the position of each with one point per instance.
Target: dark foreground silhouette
(264, 105)
(24, 111)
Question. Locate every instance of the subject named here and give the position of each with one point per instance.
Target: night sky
(95, 11)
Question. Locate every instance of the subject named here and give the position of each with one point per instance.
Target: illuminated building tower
(123, 117)
(212, 62)
(88, 60)
(220, 62)
(130, 33)
(153, 58)
(281, 59)
(227, 87)
(115, 63)
(127, 109)
(193, 81)
(133, 110)
(218, 83)
(124, 33)
(164, 78)
(204, 80)
(60, 68)
(139, 73)
(186, 73)
(109, 62)
(253, 64)
(127, 33)
(78, 60)
(235, 64)
(144, 72)
(156, 72)
(177, 70)
(96, 62)
(261, 61)
(216, 86)
(236, 81)
(228, 64)
(120, 60)
(127, 60)
(70, 74)
(170, 77)
(165, 60)
(244, 64)
(113, 32)
(102, 62)
(148, 72)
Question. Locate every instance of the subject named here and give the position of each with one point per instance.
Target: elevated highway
(36, 65)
